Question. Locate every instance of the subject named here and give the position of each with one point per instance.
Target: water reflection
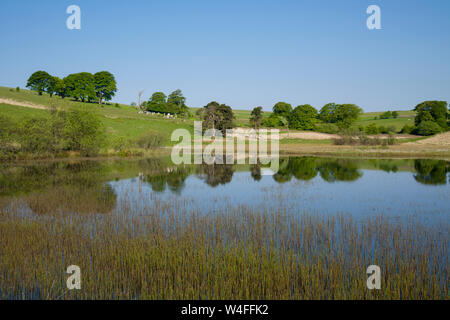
(59, 187)
(307, 168)
(431, 171)
(85, 186)
(173, 178)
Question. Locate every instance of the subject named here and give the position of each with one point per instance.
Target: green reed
(173, 253)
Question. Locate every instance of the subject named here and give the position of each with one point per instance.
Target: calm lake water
(361, 188)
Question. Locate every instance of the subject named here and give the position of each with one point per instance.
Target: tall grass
(167, 252)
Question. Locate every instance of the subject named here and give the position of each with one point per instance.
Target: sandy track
(442, 139)
(22, 104)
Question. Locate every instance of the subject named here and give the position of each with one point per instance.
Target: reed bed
(165, 252)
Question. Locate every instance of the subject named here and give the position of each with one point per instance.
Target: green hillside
(124, 121)
(120, 121)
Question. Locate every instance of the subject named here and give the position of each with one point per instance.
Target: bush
(391, 140)
(7, 128)
(407, 129)
(35, 136)
(57, 132)
(372, 129)
(18, 89)
(391, 129)
(327, 128)
(84, 132)
(150, 141)
(274, 121)
(428, 128)
(361, 138)
(382, 129)
(386, 115)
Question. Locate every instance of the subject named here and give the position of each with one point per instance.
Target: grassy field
(120, 122)
(405, 118)
(125, 120)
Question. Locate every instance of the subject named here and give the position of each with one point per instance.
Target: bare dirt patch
(442, 139)
(22, 104)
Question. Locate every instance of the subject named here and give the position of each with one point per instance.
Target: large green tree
(347, 114)
(282, 109)
(105, 86)
(176, 102)
(326, 114)
(304, 117)
(218, 116)
(437, 110)
(40, 81)
(344, 115)
(80, 86)
(60, 87)
(157, 103)
(226, 118)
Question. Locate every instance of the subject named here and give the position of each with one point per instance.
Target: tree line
(432, 117)
(306, 117)
(175, 103)
(82, 86)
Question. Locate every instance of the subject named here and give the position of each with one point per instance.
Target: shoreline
(314, 150)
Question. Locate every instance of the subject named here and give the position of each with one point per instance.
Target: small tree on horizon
(256, 117)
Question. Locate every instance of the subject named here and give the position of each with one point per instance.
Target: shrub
(18, 89)
(6, 132)
(327, 128)
(349, 137)
(382, 129)
(407, 129)
(394, 114)
(428, 128)
(35, 136)
(390, 129)
(274, 121)
(120, 143)
(372, 129)
(150, 141)
(391, 140)
(84, 132)
(386, 115)
(57, 132)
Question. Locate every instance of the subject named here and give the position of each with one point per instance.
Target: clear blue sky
(239, 52)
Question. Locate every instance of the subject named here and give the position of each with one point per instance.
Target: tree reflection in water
(432, 172)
